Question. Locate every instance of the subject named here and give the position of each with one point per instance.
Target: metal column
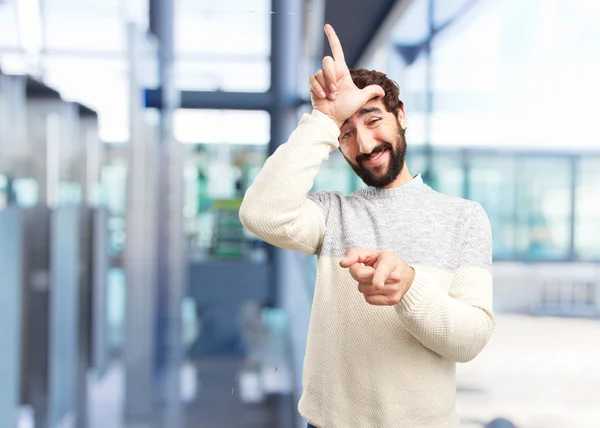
(286, 52)
(428, 174)
(139, 252)
(171, 271)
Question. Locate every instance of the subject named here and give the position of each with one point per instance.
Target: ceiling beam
(359, 22)
(383, 32)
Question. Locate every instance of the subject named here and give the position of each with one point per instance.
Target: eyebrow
(364, 111)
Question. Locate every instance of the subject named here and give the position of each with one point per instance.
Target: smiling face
(373, 143)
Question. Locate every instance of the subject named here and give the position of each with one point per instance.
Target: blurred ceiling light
(30, 30)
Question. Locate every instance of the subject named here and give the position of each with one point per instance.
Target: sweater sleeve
(276, 207)
(457, 324)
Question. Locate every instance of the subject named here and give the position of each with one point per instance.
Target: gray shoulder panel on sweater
(418, 224)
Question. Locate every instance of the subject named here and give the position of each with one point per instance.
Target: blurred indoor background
(130, 130)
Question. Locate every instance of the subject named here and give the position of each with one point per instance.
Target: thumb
(370, 92)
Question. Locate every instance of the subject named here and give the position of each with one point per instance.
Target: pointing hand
(382, 277)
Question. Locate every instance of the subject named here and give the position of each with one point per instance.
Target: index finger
(356, 255)
(384, 268)
(334, 43)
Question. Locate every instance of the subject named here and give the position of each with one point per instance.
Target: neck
(403, 178)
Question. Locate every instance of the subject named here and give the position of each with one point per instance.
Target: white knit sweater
(378, 366)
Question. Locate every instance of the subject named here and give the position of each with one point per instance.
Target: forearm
(276, 207)
(456, 328)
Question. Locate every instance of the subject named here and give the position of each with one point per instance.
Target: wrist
(337, 122)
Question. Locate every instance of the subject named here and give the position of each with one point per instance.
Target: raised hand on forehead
(332, 90)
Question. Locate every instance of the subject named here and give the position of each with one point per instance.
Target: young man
(404, 288)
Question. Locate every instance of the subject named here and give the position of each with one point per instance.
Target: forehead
(375, 102)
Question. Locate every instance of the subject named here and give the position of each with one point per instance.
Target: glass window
(336, 175)
(226, 150)
(217, 176)
(447, 10)
(83, 26)
(9, 36)
(206, 27)
(211, 55)
(71, 76)
(587, 217)
(413, 80)
(543, 207)
(224, 74)
(413, 26)
(495, 51)
(464, 129)
(468, 60)
(491, 182)
(222, 126)
(444, 171)
(415, 160)
(446, 174)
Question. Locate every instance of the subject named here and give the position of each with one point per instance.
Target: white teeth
(376, 155)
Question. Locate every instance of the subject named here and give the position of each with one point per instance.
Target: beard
(377, 177)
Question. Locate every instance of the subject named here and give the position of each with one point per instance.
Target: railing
(548, 289)
(575, 298)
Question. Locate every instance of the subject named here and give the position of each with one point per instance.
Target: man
(404, 286)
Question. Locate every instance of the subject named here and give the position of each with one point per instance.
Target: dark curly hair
(363, 78)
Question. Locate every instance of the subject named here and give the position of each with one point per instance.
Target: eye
(347, 135)
(373, 121)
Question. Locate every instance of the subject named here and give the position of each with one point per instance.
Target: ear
(402, 117)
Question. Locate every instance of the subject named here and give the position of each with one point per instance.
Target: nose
(366, 142)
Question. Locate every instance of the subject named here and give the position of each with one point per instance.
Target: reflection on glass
(492, 184)
(543, 207)
(587, 217)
